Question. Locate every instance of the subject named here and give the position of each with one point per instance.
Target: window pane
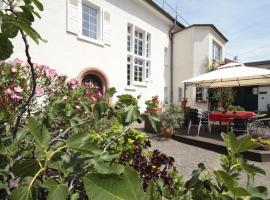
(138, 70)
(89, 22)
(85, 32)
(85, 8)
(85, 16)
(85, 25)
(199, 94)
(139, 43)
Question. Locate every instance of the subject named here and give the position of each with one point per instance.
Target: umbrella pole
(184, 101)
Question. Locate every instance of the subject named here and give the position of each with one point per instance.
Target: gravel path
(187, 158)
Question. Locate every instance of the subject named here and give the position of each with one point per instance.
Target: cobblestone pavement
(187, 158)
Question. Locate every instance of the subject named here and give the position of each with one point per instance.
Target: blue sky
(246, 23)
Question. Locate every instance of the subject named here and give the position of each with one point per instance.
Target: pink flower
(14, 69)
(73, 84)
(18, 61)
(98, 94)
(93, 98)
(18, 89)
(50, 72)
(78, 107)
(39, 90)
(65, 97)
(8, 91)
(16, 97)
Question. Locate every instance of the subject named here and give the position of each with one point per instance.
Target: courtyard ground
(187, 158)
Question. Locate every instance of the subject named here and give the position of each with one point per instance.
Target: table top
(229, 116)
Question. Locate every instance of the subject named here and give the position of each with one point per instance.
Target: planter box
(147, 125)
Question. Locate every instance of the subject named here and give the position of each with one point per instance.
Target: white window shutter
(72, 16)
(107, 28)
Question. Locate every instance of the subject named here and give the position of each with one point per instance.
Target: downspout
(171, 62)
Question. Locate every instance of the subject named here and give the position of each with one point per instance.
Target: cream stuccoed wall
(70, 55)
(192, 49)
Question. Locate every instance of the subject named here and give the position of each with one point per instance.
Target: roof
(163, 12)
(212, 26)
(265, 62)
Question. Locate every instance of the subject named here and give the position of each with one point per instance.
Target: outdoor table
(228, 117)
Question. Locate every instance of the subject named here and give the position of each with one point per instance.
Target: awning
(231, 75)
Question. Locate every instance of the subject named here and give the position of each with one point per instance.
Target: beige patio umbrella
(231, 75)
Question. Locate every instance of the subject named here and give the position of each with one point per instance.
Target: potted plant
(151, 115)
(172, 118)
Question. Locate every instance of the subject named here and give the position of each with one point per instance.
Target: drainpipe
(171, 62)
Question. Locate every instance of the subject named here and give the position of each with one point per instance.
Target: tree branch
(69, 129)
(26, 105)
(122, 134)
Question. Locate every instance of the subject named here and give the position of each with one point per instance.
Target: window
(128, 71)
(138, 56)
(129, 38)
(138, 70)
(148, 45)
(147, 70)
(217, 52)
(138, 47)
(89, 22)
(199, 94)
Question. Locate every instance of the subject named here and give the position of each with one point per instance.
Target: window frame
(145, 57)
(215, 46)
(92, 5)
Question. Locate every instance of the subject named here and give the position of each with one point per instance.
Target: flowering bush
(62, 140)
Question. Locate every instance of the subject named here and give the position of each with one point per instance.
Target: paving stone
(187, 158)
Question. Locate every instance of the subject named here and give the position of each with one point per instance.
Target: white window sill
(140, 84)
(93, 41)
(130, 88)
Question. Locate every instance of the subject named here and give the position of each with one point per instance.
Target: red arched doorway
(97, 77)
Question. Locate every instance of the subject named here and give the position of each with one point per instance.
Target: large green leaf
(50, 184)
(132, 114)
(25, 26)
(81, 143)
(6, 47)
(38, 4)
(238, 146)
(154, 121)
(103, 168)
(231, 184)
(21, 193)
(229, 141)
(100, 109)
(40, 133)
(26, 167)
(10, 30)
(252, 169)
(60, 192)
(244, 144)
(113, 187)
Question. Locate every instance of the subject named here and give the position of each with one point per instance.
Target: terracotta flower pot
(167, 132)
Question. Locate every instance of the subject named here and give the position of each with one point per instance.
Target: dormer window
(217, 52)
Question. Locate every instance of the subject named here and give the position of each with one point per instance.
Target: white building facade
(195, 47)
(123, 44)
